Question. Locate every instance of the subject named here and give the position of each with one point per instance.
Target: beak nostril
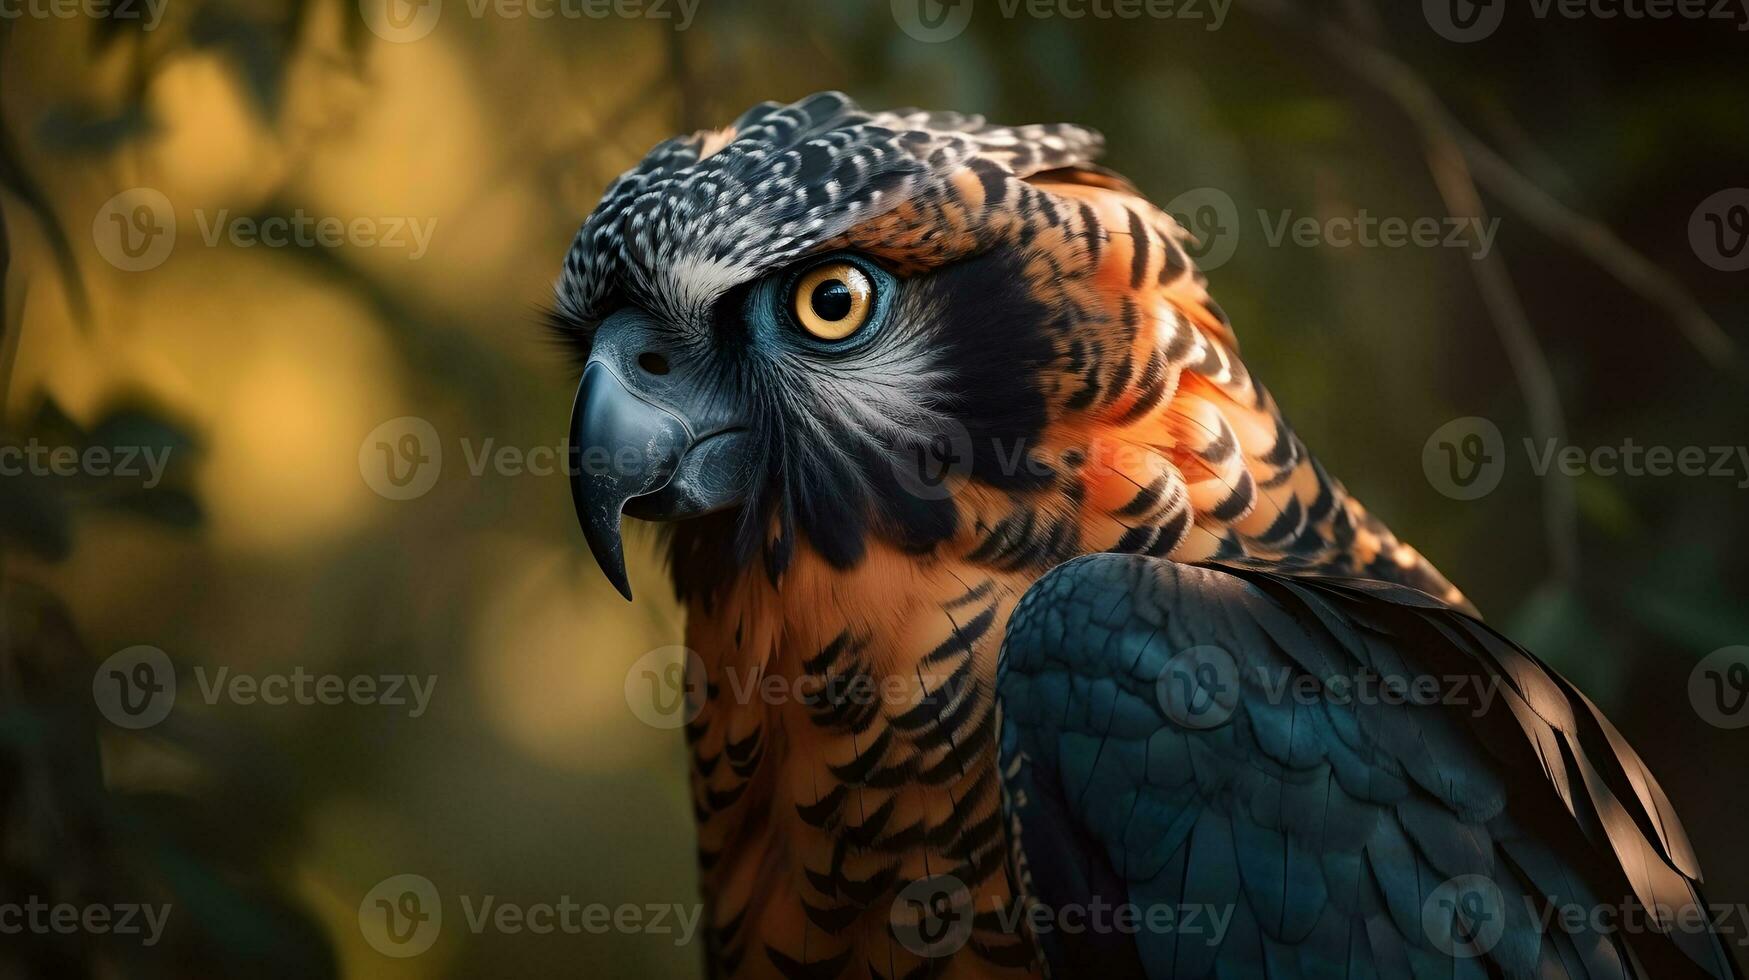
(653, 362)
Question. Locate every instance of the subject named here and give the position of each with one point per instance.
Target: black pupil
(831, 300)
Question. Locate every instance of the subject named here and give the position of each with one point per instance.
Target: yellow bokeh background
(530, 778)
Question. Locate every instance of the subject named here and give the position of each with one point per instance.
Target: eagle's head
(832, 329)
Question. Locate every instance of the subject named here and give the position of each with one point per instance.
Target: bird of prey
(1027, 638)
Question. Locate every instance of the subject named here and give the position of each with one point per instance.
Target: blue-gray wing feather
(1303, 832)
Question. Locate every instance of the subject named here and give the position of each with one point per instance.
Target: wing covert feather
(1317, 833)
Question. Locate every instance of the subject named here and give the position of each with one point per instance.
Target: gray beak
(646, 440)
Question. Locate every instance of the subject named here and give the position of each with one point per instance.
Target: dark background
(1594, 319)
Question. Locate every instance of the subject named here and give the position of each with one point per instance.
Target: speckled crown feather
(702, 213)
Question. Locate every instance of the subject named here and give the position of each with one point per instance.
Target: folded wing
(1302, 777)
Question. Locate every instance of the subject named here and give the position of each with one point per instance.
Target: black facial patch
(989, 338)
(993, 338)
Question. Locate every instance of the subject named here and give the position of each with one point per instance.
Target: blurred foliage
(528, 779)
(37, 509)
(71, 836)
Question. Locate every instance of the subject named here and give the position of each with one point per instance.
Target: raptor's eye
(833, 300)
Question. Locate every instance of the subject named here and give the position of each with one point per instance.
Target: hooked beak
(645, 442)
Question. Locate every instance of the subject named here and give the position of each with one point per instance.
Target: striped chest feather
(845, 749)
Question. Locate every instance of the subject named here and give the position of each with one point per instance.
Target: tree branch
(1396, 80)
(1530, 366)
(1447, 160)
